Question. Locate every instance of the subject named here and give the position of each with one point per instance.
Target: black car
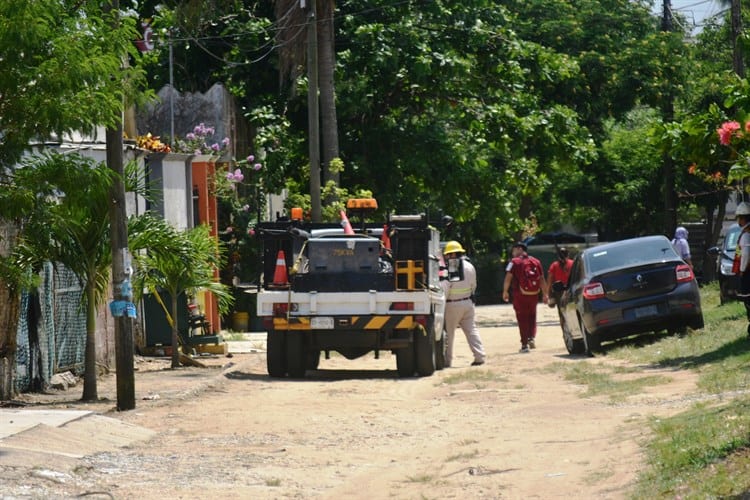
(627, 287)
(729, 282)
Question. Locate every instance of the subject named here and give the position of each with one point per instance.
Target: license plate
(645, 311)
(322, 323)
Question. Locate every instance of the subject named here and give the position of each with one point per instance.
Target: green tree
(70, 226)
(60, 71)
(187, 262)
(444, 110)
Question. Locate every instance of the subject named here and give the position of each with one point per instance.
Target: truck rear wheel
(405, 361)
(440, 352)
(296, 355)
(424, 351)
(313, 359)
(276, 353)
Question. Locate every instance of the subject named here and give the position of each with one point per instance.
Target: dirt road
(513, 428)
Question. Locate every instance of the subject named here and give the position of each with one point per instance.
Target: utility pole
(121, 270)
(312, 108)
(670, 197)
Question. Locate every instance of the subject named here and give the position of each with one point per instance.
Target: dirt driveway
(513, 428)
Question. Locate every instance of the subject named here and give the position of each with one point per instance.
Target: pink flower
(230, 176)
(190, 136)
(251, 232)
(257, 167)
(238, 175)
(215, 146)
(245, 208)
(727, 130)
(229, 229)
(250, 159)
(225, 142)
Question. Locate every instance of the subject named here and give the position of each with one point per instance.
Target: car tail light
(422, 320)
(684, 273)
(281, 309)
(402, 306)
(593, 291)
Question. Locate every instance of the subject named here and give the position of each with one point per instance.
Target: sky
(694, 11)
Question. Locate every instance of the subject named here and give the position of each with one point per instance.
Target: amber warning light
(362, 203)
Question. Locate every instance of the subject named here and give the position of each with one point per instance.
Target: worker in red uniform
(558, 272)
(525, 274)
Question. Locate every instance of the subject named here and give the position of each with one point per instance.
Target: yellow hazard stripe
(351, 323)
(292, 324)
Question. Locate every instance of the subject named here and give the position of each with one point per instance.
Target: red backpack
(530, 275)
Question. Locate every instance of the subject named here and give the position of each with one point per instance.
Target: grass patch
(462, 456)
(703, 452)
(420, 478)
(599, 380)
(476, 377)
(700, 453)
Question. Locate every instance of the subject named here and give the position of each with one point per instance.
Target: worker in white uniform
(741, 264)
(459, 306)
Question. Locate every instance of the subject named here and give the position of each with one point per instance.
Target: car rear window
(629, 254)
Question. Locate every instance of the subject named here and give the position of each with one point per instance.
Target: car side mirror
(714, 251)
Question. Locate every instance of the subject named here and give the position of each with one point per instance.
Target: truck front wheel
(276, 353)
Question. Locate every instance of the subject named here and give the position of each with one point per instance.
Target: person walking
(741, 264)
(526, 276)
(681, 245)
(558, 272)
(460, 285)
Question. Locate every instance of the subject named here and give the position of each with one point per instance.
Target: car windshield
(630, 253)
(730, 240)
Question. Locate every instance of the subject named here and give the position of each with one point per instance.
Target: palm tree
(69, 225)
(186, 262)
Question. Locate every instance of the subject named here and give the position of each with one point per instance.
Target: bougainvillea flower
(727, 130)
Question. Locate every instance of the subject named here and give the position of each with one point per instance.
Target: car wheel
(697, 323)
(591, 342)
(574, 346)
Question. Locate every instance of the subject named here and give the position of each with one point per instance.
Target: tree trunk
(326, 76)
(9, 310)
(175, 332)
(90, 392)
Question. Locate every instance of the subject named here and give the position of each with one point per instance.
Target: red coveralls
(524, 305)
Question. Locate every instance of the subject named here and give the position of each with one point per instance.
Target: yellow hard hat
(453, 247)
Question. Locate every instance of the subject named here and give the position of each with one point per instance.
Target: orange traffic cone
(280, 277)
(345, 222)
(385, 240)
